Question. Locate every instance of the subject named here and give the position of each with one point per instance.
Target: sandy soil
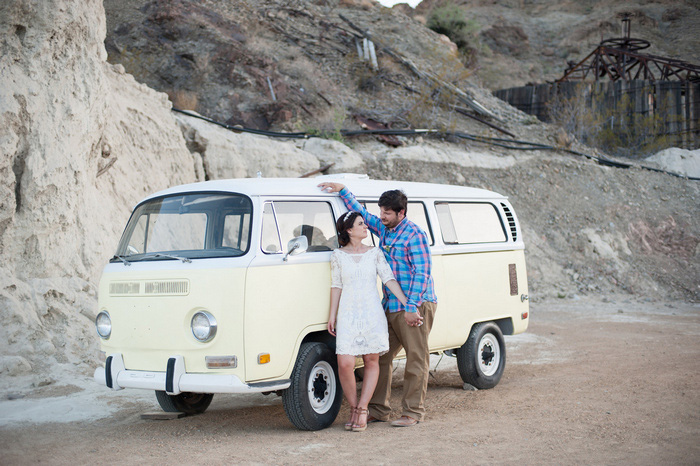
(590, 382)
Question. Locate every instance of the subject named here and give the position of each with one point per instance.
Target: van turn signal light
(263, 358)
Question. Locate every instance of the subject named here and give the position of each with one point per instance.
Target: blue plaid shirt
(407, 251)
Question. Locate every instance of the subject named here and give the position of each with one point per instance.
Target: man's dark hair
(394, 200)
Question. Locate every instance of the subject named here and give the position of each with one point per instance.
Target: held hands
(331, 187)
(413, 319)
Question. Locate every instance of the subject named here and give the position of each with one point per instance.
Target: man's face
(390, 218)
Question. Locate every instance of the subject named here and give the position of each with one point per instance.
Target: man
(407, 251)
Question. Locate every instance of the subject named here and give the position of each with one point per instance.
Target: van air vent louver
(511, 222)
(167, 287)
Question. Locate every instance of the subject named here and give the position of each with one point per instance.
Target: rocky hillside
(519, 42)
(82, 141)
(225, 59)
(291, 65)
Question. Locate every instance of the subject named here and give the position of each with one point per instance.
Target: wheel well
(321, 337)
(505, 324)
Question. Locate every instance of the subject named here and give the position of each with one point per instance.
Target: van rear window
(188, 226)
(467, 223)
(415, 213)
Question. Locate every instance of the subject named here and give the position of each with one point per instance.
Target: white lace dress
(361, 326)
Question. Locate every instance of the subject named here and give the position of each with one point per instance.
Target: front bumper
(175, 380)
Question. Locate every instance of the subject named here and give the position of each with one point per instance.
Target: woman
(357, 318)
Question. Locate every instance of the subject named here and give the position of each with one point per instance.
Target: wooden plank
(162, 416)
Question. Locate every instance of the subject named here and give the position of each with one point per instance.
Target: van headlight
(203, 326)
(103, 324)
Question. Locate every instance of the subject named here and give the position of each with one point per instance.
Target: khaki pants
(415, 383)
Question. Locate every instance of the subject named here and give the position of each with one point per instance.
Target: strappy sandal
(349, 425)
(360, 427)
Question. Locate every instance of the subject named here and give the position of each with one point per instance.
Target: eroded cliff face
(81, 143)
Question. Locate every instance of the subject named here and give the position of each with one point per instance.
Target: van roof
(360, 185)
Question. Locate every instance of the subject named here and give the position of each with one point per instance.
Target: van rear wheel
(185, 402)
(482, 359)
(313, 399)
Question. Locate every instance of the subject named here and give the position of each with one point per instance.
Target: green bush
(451, 20)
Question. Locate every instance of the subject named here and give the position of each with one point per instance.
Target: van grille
(177, 287)
(511, 222)
(124, 288)
(152, 288)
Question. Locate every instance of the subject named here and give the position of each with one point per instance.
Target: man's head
(392, 206)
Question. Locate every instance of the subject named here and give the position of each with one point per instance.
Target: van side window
(416, 214)
(311, 219)
(473, 222)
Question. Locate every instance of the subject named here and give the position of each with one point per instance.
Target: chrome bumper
(175, 380)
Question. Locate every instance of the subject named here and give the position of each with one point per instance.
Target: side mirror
(296, 246)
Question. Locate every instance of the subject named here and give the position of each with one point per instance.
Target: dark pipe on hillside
(499, 142)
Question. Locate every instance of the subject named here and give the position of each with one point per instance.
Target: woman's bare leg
(369, 383)
(346, 373)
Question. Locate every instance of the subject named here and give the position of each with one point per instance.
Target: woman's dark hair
(394, 200)
(344, 223)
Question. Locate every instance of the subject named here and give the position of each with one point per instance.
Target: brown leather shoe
(371, 419)
(404, 421)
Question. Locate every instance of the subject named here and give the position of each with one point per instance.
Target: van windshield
(187, 226)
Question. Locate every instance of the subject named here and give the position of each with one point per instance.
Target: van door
(283, 298)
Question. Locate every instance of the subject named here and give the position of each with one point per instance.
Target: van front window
(188, 226)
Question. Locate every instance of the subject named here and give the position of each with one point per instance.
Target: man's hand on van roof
(331, 187)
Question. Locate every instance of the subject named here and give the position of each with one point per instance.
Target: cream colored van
(224, 287)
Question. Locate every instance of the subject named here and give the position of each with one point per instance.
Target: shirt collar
(398, 227)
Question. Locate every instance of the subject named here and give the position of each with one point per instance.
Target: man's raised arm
(373, 222)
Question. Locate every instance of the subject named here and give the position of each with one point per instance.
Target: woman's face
(359, 228)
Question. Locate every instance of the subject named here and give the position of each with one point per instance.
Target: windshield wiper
(183, 259)
(121, 258)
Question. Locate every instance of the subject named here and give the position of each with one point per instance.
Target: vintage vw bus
(224, 287)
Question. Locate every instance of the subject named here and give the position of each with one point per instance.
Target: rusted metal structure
(616, 78)
(619, 59)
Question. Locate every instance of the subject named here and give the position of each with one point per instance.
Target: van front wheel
(188, 403)
(313, 399)
(482, 359)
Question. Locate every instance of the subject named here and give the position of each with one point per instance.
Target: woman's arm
(336, 290)
(335, 301)
(395, 288)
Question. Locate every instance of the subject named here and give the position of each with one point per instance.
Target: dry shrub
(665, 238)
(596, 117)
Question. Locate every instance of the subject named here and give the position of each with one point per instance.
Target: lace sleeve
(336, 280)
(383, 268)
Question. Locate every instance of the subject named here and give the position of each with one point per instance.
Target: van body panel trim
(195, 383)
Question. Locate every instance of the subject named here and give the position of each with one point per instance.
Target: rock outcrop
(81, 143)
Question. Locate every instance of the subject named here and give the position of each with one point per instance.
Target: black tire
(482, 359)
(189, 403)
(313, 399)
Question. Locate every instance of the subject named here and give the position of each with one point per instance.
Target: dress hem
(380, 353)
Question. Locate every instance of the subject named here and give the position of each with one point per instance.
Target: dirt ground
(590, 382)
